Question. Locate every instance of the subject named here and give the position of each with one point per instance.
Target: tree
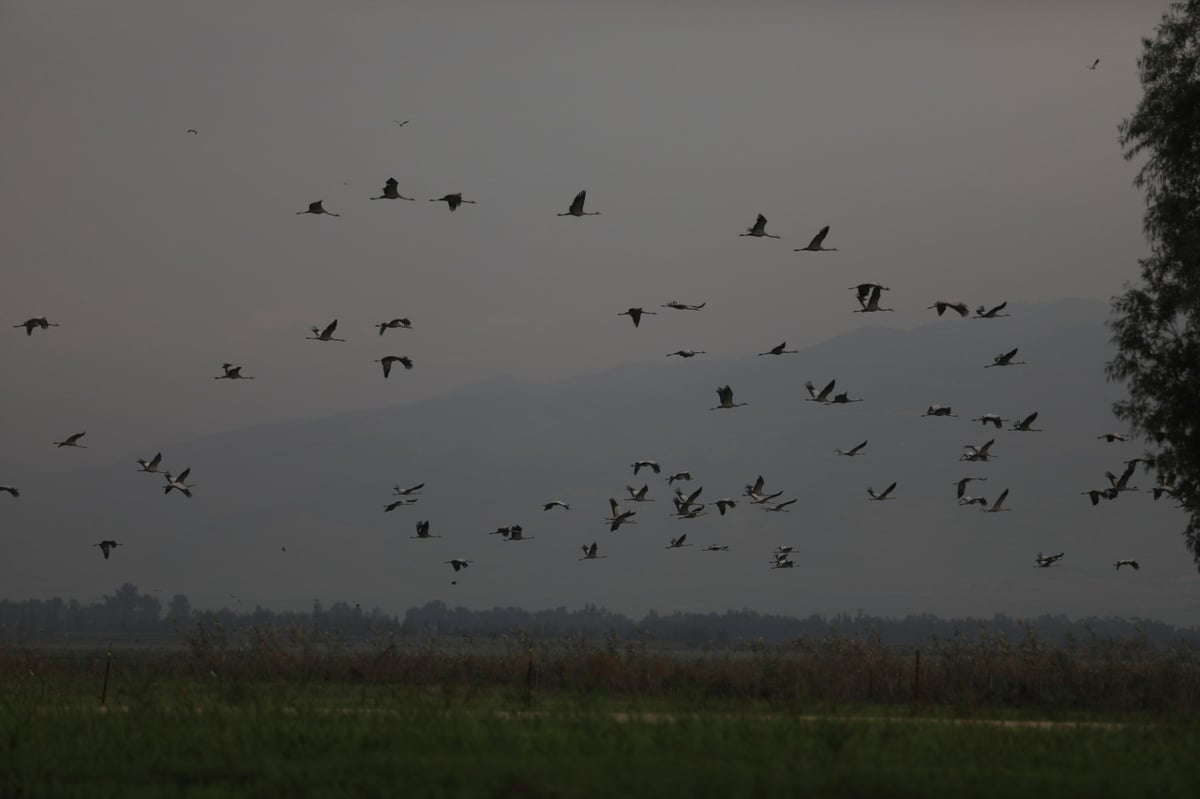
(1156, 324)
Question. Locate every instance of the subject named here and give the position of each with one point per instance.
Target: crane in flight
(636, 315)
(994, 313)
(576, 208)
(179, 483)
(106, 547)
(1111, 437)
(680, 476)
(997, 505)
(1121, 563)
(555, 503)
(72, 441)
(962, 484)
(459, 563)
(863, 290)
(990, 418)
(1093, 66)
(589, 553)
(725, 399)
(682, 306)
(871, 305)
(151, 465)
(815, 244)
(779, 349)
(676, 543)
(619, 517)
(1005, 359)
(980, 453)
(388, 360)
(326, 334)
(882, 495)
(939, 410)
(404, 492)
(638, 494)
(1046, 561)
(423, 530)
(452, 201)
(759, 229)
(1023, 426)
(852, 451)
(403, 324)
(781, 507)
(403, 502)
(232, 373)
(1096, 494)
(39, 322)
(954, 305)
(10, 490)
(716, 548)
(1122, 483)
(725, 503)
(687, 353)
(645, 464)
(317, 208)
(390, 191)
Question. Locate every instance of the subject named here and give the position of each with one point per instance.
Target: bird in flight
(981, 453)
(1111, 437)
(636, 315)
(1093, 66)
(779, 349)
(990, 418)
(871, 305)
(817, 240)
(652, 465)
(232, 373)
(72, 441)
(996, 506)
(725, 504)
(1121, 563)
(326, 334)
(576, 208)
(179, 483)
(38, 322)
(400, 124)
(686, 353)
(781, 507)
(11, 491)
(1023, 426)
(680, 306)
(106, 547)
(679, 476)
(459, 563)
(556, 504)
(1095, 494)
(1046, 561)
(404, 324)
(317, 208)
(939, 410)
(852, 451)
(962, 484)
(1005, 359)
(863, 290)
(994, 313)
(400, 503)
(388, 360)
(150, 465)
(882, 495)
(193, 131)
(638, 494)
(423, 530)
(676, 543)
(589, 553)
(759, 229)
(390, 191)
(717, 548)
(452, 200)
(405, 492)
(956, 305)
(725, 398)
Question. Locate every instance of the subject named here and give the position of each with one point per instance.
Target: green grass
(295, 722)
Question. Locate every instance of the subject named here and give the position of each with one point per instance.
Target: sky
(957, 150)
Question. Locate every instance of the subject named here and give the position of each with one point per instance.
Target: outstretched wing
(819, 238)
(577, 203)
(329, 328)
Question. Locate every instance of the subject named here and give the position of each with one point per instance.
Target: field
(285, 715)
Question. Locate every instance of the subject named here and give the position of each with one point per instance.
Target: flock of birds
(686, 503)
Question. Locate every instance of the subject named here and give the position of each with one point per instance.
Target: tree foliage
(1156, 324)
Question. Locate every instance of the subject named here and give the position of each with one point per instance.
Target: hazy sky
(958, 150)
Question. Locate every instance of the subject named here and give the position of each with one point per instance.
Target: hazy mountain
(492, 453)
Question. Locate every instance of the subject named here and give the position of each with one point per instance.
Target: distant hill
(492, 453)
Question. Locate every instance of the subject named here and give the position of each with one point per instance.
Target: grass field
(274, 720)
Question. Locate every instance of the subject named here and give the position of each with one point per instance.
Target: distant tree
(1156, 324)
(179, 613)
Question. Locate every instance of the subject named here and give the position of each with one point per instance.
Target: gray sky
(956, 149)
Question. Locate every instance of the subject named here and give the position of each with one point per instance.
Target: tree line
(131, 616)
